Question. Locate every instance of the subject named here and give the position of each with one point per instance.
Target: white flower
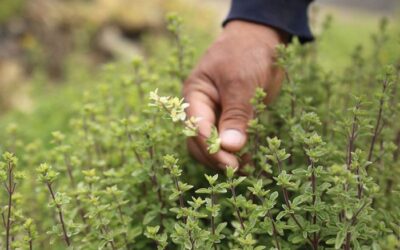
(191, 126)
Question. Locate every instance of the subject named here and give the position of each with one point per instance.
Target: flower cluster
(174, 108)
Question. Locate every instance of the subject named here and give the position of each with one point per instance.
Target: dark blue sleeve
(287, 15)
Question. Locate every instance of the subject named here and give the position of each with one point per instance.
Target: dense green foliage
(324, 172)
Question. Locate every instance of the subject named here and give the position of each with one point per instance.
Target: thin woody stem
(353, 221)
(212, 218)
(121, 216)
(30, 241)
(274, 230)
(288, 204)
(292, 112)
(379, 115)
(182, 205)
(60, 215)
(67, 162)
(154, 181)
(10, 189)
(350, 150)
(315, 240)
(236, 208)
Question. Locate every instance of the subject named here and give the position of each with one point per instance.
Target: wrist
(273, 35)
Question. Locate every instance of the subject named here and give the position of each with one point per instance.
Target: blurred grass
(349, 29)
(53, 107)
(10, 8)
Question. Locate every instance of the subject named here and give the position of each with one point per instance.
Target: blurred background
(52, 49)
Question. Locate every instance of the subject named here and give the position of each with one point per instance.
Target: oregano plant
(321, 168)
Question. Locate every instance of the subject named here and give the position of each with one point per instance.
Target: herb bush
(324, 170)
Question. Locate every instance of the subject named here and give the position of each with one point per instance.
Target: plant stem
(182, 205)
(379, 118)
(4, 220)
(10, 187)
(274, 230)
(353, 221)
(292, 113)
(180, 55)
(286, 196)
(176, 182)
(30, 242)
(287, 202)
(350, 150)
(8, 227)
(137, 155)
(313, 180)
(67, 162)
(212, 217)
(351, 140)
(155, 182)
(354, 218)
(314, 200)
(397, 143)
(236, 208)
(60, 214)
(104, 230)
(121, 216)
(347, 242)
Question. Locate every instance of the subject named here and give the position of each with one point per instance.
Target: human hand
(220, 88)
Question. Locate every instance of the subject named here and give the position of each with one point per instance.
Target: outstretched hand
(220, 88)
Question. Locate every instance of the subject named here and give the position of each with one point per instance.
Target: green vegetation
(349, 31)
(323, 173)
(10, 8)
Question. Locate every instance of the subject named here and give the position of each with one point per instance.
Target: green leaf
(339, 239)
(281, 215)
(211, 179)
(230, 172)
(203, 191)
(220, 227)
(273, 196)
(149, 217)
(213, 142)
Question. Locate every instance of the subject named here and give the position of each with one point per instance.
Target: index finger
(202, 97)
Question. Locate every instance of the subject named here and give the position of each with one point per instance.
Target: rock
(112, 41)
(13, 94)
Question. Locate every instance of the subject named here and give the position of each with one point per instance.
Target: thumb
(236, 113)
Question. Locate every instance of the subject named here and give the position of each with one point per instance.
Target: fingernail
(232, 137)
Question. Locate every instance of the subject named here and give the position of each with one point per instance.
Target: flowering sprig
(174, 109)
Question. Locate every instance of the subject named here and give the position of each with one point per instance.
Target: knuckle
(236, 113)
(192, 84)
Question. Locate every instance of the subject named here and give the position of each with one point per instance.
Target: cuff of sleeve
(287, 15)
